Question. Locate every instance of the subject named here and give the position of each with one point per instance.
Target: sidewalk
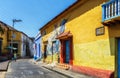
(3, 68)
(68, 73)
(4, 65)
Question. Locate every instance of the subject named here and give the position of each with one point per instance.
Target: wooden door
(67, 51)
(118, 55)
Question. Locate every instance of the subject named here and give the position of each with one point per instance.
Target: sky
(33, 13)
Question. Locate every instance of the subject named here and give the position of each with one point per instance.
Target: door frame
(45, 50)
(62, 50)
(1, 40)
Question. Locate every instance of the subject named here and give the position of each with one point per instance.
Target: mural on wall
(53, 43)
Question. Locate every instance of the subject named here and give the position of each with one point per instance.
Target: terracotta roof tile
(64, 34)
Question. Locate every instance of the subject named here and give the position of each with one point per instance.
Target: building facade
(85, 37)
(26, 46)
(10, 38)
(37, 47)
(3, 38)
(30, 48)
(14, 40)
(23, 45)
(111, 19)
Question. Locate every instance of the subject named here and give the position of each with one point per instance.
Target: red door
(66, 51)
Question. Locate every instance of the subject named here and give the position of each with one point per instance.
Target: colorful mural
(53, 43)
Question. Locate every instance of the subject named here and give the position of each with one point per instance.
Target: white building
(26, 46)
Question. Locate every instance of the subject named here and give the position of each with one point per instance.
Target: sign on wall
(100, 31)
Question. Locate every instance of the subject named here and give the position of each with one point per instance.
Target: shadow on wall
(114, 33)
(28, 53)
(113, 47)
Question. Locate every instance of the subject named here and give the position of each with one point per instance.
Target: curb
(8, 64)
(57, 72)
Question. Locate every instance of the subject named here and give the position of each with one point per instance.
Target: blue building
(37, 47)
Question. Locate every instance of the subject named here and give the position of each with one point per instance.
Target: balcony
(111, 12)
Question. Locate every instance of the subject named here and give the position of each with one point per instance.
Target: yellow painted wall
(16, 39)
(88, 49)
(50, 57)
(18, 35)
(4, 41)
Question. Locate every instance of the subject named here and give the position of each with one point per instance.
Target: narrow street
(25, 69)
(60, 38)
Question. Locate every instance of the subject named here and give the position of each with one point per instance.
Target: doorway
(15, 45)
(45, 52)
(39, 50)
(0, 46)
(118, 57)
(67, 51)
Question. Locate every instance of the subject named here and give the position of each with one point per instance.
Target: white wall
(23, 45)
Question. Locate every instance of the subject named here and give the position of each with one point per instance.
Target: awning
(64, 35)
(9, 47)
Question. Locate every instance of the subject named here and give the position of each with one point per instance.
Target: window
(43, 32)
(54, 47)
(62, 28)
(55, 26)
(63, 22)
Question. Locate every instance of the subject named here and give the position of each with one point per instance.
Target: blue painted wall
(38, 53)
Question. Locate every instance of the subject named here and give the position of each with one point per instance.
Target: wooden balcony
(111, 12)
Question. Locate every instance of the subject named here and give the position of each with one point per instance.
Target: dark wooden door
(67, 51)
(118, 58)
(0, 46)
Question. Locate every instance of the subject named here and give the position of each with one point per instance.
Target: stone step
(63, 66)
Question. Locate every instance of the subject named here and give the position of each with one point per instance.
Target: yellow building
(10, 38)
(6, 39)
(16, 40)
(86, 36)
(3, 38)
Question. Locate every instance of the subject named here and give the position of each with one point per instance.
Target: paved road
(26, 69)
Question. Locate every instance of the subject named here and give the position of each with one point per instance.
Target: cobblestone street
(25, 69)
